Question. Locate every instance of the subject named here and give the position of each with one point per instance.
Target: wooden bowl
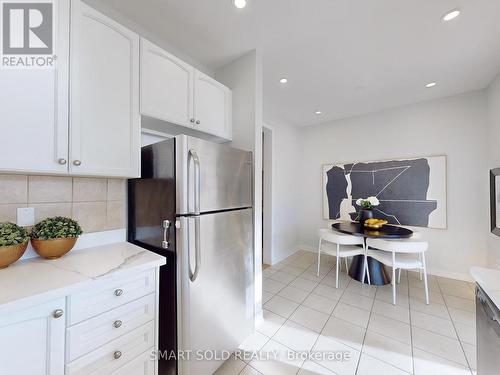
(53, 249)
(10, 254)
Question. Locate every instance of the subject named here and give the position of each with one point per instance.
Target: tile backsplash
(98, 204)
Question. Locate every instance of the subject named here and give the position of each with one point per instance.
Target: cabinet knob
(192, 120)
(117, 323)
(77, 163)
(198, 122)
(58, 313)
(118, 292)
(117, 354)
(62, 161)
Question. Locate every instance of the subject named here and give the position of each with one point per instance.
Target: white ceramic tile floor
(306, 315)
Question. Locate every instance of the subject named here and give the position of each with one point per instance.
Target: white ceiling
(343, 57)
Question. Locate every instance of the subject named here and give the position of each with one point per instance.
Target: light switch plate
(26, 217)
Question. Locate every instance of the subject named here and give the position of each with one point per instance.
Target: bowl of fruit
(375, 223)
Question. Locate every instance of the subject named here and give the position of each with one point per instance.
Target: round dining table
(378, 276)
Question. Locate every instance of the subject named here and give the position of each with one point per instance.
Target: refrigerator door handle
(197, 248)
(196, 161)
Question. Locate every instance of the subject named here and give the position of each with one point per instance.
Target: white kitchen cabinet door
(34, 109)
(212, 106)
(105, 127)
(166, 86)
(142, 365)
(32, 340)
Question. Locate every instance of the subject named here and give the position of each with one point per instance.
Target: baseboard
(259, 317)
(431, 271)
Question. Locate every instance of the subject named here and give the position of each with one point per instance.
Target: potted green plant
(13, 242)
(366, 205)
(55, 236)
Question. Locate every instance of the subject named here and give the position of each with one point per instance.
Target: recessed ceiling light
(451, 15)
(318, 112)
(283, 80)
(240, 4)
(431, 84)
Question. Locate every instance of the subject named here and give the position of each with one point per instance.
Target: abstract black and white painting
(411, 191)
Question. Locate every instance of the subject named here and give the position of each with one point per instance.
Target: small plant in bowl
(55, 236)
(367, 206)
(13, 242)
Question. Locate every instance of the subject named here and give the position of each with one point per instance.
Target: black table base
(378, 275)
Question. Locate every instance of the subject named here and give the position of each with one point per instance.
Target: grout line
(366, 331)
(326, 322)
(411, 326)
(456, 332)
(369, 319)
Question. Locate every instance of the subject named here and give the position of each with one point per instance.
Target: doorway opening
(267, 195)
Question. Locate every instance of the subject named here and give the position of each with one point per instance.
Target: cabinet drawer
(142, 365)
(108, 295)
(115, 354)
(86, 336)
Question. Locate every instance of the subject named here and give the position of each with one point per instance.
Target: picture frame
(437, 189)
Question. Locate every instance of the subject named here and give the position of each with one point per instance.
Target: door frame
(267, 193)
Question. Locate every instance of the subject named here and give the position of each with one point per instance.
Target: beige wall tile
(117, 190)
(45, 210)
(8, 212)
(13, 188)
(89, 189)
(116, 215)
(49, 189)
(90, 215)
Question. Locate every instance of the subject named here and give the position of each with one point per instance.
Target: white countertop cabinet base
(100, 320)
(32, 340)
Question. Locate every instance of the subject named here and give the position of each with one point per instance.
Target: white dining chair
(407, 254)
(341, 246)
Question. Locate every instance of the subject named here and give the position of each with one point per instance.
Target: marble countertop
(39, 279)
(489, 280)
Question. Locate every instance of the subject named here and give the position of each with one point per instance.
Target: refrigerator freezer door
(151, 198)
(225, 175)
(216, 309)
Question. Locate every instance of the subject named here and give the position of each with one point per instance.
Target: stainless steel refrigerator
(193, 204)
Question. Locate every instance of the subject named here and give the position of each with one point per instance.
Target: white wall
(494, 158)
(285, 190)
(456, 127)
(244, 77)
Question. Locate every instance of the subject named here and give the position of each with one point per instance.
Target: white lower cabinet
(142, 365)
(32, 340)
(116, 339)
(117, 353)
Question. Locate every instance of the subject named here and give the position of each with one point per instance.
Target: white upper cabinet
(212, 106)
(166, 86)
(32, 340)
(175, 92)
(34, 109)
(105, 125)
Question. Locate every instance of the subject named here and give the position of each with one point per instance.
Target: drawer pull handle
(58, 313)
(118, 292)
(117, 354)
(117, 323)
